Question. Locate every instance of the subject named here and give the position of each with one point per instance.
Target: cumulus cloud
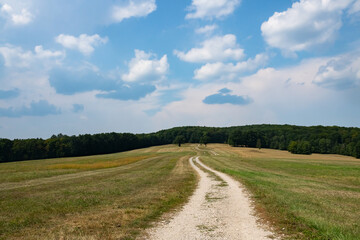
(308, 23)
(41, 108)
(223, 96)
(208, 29)
(41, 53)
(209, 9)
(229, 71)
(339, 73)
(280, 96)
(218, 48)
(17, 57)
(145, 67)
(133, 9)
(84, 43)
(21, 17)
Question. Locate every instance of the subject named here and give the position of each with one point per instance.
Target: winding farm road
(218, 209)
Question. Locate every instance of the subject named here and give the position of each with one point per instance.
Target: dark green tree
(357, 150)
(293, 146)
(324, 145)
(5, 150)
(205, 139)
(258, 144)
(304, 147)
(180, 139)
(236, 138)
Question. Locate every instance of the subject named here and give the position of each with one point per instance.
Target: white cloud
(145, 67)
(229, 71)
(218, 48)
(6, 8)
(41, 53)
(355, 8)
(133, 9)
(209, 9)
(17, 57)
(21, 17)
(340, 72)
(306, 24)
(84, 43)
(281, 96)
(208, 29)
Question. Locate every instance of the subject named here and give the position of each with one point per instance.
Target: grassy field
(304, 197)
(98, 197)
(116, 196)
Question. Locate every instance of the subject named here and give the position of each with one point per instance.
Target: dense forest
(296, 139)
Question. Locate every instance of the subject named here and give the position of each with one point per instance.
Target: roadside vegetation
(98, 197)
(303, 196)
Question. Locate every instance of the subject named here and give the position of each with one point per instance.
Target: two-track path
(218, 209)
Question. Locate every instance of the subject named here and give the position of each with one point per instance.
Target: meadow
(303, 196)
(98, 197)
(117, 196)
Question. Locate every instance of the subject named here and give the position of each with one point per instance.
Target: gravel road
(218, 209)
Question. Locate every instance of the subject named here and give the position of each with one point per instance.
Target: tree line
(296, 139)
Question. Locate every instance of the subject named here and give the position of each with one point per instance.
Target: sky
(89, 66)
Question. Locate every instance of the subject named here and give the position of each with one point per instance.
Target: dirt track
(218, 209)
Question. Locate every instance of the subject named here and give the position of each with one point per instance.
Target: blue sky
(89, 66)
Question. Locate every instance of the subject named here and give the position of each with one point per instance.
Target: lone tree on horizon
(204, 139)
(180, 139)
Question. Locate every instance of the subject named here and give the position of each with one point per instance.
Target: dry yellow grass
(271, 153)
(99, 165)
(94, 201)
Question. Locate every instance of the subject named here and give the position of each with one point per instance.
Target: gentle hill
(297, 139)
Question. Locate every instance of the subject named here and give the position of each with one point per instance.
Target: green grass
(99, 197)
(116, 196)
(305, 197)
